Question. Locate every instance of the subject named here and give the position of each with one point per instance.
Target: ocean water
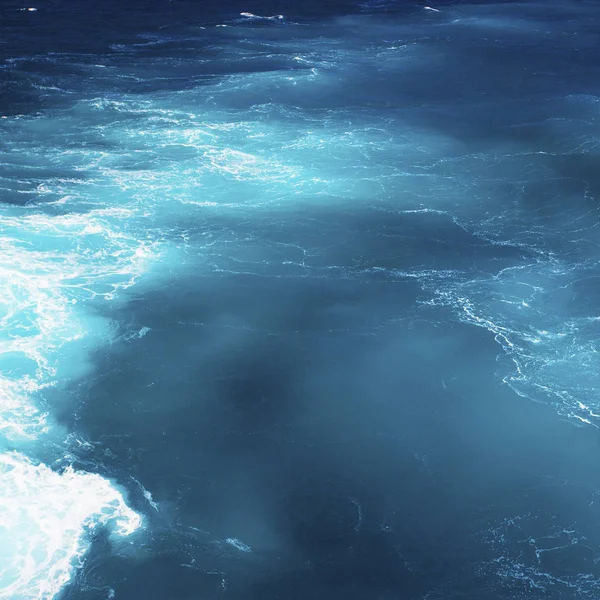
(299, 300)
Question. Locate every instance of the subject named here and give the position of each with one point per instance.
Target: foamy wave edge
(49, 267)
(50, 529)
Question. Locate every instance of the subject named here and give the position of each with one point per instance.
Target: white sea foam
(49, 268)
(48, 265)
(45, 519)
(250, 15)
(238, 545)
(52, 266)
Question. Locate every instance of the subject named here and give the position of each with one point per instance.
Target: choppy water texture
(299, 301)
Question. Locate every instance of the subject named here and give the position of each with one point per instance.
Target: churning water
(299, 301)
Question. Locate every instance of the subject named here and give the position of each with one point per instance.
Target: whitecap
(45, 519)
(238, 544)
(250, 15)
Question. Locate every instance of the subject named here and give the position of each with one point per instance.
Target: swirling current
(299, 300)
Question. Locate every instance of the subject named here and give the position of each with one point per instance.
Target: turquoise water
(239, 254)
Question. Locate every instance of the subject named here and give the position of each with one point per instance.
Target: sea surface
(299, 300)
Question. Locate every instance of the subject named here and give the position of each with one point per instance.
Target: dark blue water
(299, 300)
